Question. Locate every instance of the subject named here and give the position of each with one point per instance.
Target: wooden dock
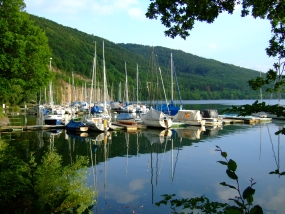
(245, 120)
(30, 128)
(130, 127)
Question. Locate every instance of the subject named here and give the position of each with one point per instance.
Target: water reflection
(191, 132)
(130, 171)
(157, 136)
(212, 131)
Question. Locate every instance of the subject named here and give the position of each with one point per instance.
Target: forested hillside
(197, 77)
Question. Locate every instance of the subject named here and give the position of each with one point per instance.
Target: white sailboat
(54, 117)
(127, 107)
(99, 122)
(139, 108)
(155, 118)
(189, 117)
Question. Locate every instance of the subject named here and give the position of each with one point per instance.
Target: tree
(24, 53)
(179, 17)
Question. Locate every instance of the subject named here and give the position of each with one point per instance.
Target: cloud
(273, 201)
(125, 194)
(136, 13)
(225, 193)
(137, 184)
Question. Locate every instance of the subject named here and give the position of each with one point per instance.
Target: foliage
(24, 53)
(45, 187)
(209, 79)
(243, 201)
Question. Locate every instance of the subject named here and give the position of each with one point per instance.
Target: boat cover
(210, 113)
(73, 125)
(170, 109)
(115, 105)
(187, 115)
(96, 109)
(153, 114)
(125, 116)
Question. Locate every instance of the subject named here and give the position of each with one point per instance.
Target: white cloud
(136, 13)
(225, 193)
(273, 200)
(137, 184)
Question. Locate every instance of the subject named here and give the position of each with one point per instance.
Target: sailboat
(127, 107)
(156, 118)
(189, 117)
(116, 105)
(139, 107)
(53, 117)
(170, 108)
(99, 122)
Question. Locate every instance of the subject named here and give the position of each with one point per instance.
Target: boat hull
(127, 122)
(97, 124)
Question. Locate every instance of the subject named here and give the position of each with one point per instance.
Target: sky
(230, 39)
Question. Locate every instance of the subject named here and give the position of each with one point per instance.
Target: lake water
(130, 171)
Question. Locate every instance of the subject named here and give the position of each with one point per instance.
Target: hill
(197, 77)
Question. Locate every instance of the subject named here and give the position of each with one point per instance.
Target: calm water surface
(130, 171)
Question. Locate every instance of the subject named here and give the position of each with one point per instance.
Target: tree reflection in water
(28, 186)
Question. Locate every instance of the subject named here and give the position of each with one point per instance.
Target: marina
(131, 169)
(118, 126)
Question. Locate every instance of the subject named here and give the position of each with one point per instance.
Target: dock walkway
(30, 128)
(246, 120)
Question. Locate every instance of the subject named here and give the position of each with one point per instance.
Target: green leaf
(249, 200)
(223, 162)
(248, 192)
(233, 210)
(256, 210)
(225, 184)
(231, 174)
(224, 154)
(274, 172)
(232, 165)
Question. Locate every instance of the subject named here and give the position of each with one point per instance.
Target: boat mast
(104, 81)
(119, 93)
(126, 85)
(95, 86)
(92, 82)
(137, 84)
(171, 64)
(260, 89)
